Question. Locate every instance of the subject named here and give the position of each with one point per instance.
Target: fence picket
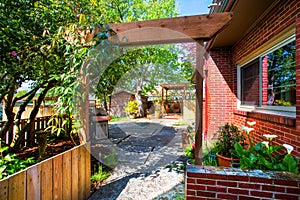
(57, 177)
(4, 190)
(67, 166)
(81, 173)
(87, 171)
(40, 123)
(46, 180)
(33, 182)
(75, 174)
(17, 186)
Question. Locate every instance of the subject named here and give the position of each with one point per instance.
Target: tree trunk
(10, 115)
(138, 97)
(20, 135)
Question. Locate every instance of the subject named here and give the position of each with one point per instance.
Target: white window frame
(278, 110)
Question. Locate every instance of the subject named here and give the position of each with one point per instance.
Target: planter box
(64, 176)
(207, 182)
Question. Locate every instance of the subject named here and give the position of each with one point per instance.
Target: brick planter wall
(206, 182)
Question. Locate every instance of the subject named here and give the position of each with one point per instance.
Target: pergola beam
(183, 29)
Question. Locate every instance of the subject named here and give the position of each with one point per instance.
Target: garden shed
(118, 100)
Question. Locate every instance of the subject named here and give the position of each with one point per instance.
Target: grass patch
(179, 123)
(100, 175)
(116, 119)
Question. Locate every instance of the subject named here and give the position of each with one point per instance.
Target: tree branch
(25, 103)
(20, 136)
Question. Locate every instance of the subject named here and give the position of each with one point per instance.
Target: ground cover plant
(10, 164)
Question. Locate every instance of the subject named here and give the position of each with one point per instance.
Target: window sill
(287, 118)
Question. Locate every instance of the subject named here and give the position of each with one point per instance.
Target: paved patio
(148, 159)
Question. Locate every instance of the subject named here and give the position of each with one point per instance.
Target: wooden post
(199, 102)
(84, 108)
(162, 101)
(167, 111)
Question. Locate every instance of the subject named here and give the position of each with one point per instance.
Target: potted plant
(227, 136)
(132, 109)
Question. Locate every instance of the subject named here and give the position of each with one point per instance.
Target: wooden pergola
(199, 28)
(167, 87)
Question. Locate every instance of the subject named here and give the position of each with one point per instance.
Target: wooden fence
(65, 176)
(40, 123)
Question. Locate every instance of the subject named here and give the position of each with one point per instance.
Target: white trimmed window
(269, 80)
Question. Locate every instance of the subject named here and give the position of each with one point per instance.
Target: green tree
(41, 44)
(45, 42)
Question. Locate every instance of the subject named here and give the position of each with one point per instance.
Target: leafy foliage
(100, 175)
(266, 158)
(190, 151)
(131, 107)
(265, 155)
(227, 136)
(41, 45)
(10, 164)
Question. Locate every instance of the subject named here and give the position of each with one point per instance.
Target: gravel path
(150, 163)
(165, 183)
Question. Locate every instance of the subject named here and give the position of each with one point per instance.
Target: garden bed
(53, 148)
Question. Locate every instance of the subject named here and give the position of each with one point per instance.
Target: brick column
(265, 80)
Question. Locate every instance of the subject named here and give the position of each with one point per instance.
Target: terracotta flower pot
(225, 161)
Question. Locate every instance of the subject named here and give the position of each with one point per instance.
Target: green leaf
(290, 163)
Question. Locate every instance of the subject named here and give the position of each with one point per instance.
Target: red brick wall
(232, 183)
(298, 67)
(282, 16)
(221, 89)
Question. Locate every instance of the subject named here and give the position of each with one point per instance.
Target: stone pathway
(150, 161)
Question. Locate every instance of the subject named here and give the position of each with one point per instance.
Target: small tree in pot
(227, 136)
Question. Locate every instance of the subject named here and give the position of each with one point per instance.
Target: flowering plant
(190, 151)
(265, 155)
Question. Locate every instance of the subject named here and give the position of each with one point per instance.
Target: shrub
(227, 136)
(100, 175)
(132, 107)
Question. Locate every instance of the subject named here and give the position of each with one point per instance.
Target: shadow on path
(150, 161)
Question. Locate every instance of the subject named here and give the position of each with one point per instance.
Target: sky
(193, 7)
